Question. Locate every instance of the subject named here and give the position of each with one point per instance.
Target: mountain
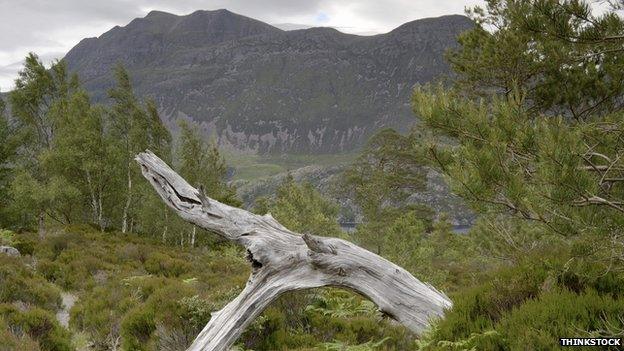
(259, 88)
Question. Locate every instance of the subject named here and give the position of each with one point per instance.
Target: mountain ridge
(263, 89)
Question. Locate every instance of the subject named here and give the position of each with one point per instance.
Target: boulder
(9, 250)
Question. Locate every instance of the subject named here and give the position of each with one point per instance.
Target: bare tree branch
(284, 261)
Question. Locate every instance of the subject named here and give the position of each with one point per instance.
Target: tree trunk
(164, 233)
(94, 202)
(124, 221)
(193, 236)
(284, 261)
(100, 215)
(42, 229)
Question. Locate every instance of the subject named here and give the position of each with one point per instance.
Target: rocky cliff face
(260, 88)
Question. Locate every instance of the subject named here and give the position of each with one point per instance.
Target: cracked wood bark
(282, 261)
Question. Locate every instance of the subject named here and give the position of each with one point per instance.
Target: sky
(51, 28)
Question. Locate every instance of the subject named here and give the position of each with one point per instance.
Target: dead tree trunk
(283, 261)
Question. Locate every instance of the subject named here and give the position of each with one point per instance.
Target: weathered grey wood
(283, 261)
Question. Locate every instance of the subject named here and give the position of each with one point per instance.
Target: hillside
(259, 88)
(134, 293)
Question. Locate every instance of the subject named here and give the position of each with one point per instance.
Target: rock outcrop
(259, 88)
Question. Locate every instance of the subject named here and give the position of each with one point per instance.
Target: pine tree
(541, 158)
(160, 137)
(557, 54)
(388, 170)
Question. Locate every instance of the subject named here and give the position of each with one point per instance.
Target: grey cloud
(8, 72)
(31, 22)
(27, 22)
(265, 8)
(10, 68)
(392, 13)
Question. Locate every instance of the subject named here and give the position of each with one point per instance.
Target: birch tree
(40, 95)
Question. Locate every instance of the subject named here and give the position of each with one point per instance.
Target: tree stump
(282, 261)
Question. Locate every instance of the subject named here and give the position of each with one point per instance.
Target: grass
(253, 167)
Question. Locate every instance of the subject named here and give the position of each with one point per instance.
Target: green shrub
(58, 244)
(341, 346)
(529, 307)
(7, 237)
(137, 328)
(72, 270)
(133, 253)
(99, 312)
(327, 318)
(478, 309)
(39, 325)
(538, 324)
(26, 246)
(591, 276)
(178, 324)
(195, 311)
(163, 264)
(50, 270)
(13, 338)
(19, 283)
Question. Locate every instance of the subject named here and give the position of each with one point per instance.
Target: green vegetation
(27, 306)
(302, 209)
(252, 167)
(202, 164)
(536, 119)
(133, 292)
(529, 134)
(139, 294)
(68, 161)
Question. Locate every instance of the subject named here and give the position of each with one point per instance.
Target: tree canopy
(535, 119)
